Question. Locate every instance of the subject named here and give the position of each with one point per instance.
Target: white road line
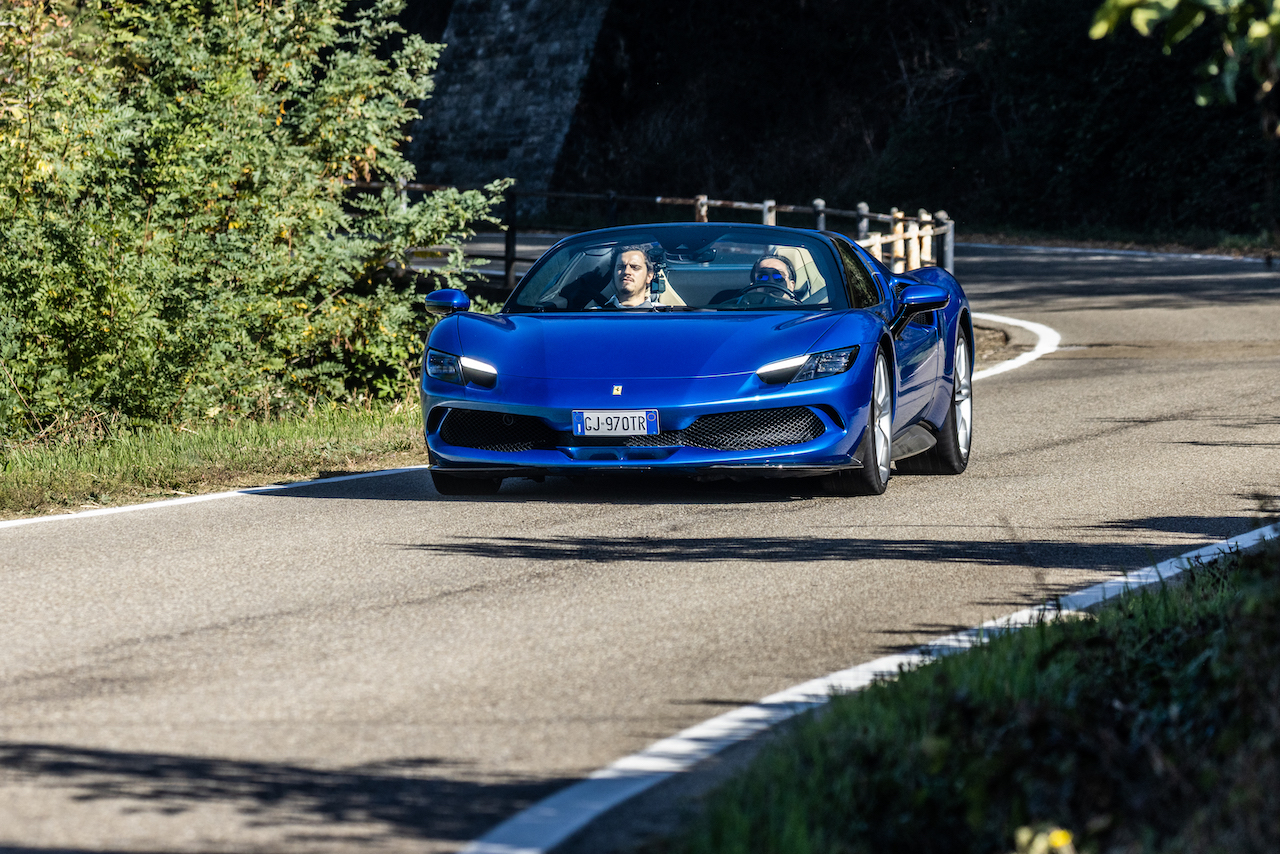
(196, 499)
(1047, 341)
(1133, 253)
(551, 821)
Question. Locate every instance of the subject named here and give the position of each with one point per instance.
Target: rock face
(505, 91)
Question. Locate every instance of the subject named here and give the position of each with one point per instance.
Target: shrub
(178, 238)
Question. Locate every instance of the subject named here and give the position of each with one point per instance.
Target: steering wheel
(766, 289)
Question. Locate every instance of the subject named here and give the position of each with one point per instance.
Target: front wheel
(951, 454)
(873, 477)
(451, 484)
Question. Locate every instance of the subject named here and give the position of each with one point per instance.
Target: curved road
(364, 664)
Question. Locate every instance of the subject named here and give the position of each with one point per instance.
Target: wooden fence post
(770, 212)
(948, 241)
(876, 247)
(926, 237)
(509, 251)
(913, 246)
(700, 208)
(899, 260)
(820, 211)
(863, 210)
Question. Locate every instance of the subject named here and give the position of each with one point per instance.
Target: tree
(1246, 39)
(178, 238)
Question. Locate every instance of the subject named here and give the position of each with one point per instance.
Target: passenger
(777, 270)
(633, 272)
(769, 270)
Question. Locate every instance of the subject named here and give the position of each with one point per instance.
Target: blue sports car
(703, 349)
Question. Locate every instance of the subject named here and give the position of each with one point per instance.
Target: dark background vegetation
(1002, 112)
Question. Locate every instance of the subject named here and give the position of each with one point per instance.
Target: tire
(451, 484)
(873, 477)
(955, 436)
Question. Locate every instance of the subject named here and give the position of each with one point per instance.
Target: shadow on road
(1112, 281)
(602, 489)
(1104, 557)
(407, 799)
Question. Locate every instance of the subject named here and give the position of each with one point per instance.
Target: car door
(918, 349)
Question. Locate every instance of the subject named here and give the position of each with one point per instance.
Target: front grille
(665, 439)
(496, 431)
(748, 430)
(754, 428)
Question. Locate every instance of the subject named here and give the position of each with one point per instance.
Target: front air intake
(496, 431)
(748, 430)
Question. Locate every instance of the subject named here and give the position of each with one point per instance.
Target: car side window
(863, 291)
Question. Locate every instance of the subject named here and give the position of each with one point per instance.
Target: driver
(633, 272)
(778, 271)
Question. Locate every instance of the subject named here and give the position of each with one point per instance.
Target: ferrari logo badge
(617, 390)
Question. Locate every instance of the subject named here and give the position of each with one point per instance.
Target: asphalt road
(366, 665)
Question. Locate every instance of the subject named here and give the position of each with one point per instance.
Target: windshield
(685, 268)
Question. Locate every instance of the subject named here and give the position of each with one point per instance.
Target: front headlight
(797, 369)
(460, 370)
(443, 366)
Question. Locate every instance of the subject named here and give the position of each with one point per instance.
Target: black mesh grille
(496, 431)
(665, 439)
(753, 428)
(729, 431)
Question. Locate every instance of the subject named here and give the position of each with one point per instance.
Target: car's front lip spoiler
(722, 470)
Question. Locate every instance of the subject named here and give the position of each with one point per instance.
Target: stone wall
(505, 91)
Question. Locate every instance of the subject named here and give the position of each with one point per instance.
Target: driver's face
(632, 278)
(773, 264)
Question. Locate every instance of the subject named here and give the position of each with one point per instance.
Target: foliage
(1244, 37)
(1245, 33)
(178, 238)
(1003, 112)
(1154, 727)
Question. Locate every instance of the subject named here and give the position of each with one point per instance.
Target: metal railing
(910, 241)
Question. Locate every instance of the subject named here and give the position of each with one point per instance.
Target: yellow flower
(1060, 838)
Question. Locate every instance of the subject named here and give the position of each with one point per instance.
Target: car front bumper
(539, 439)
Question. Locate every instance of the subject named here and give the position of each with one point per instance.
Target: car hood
(618, 345)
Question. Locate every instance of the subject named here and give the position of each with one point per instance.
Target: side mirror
(915, 299)
(446, 301)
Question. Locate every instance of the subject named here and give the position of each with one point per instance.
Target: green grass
(1154, 726)
(79, 470)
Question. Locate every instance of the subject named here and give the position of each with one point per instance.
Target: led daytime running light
(478, 372)
(798, 369)
(782, 370)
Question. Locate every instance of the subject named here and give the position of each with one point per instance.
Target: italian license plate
(615, 422)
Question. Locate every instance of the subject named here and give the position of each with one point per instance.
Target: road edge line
(541, 827)
(1047, 341)
(196, 499)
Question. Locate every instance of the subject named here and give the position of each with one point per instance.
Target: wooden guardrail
(908, 243)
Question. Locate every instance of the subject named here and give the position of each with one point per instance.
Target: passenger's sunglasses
(770, 276)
